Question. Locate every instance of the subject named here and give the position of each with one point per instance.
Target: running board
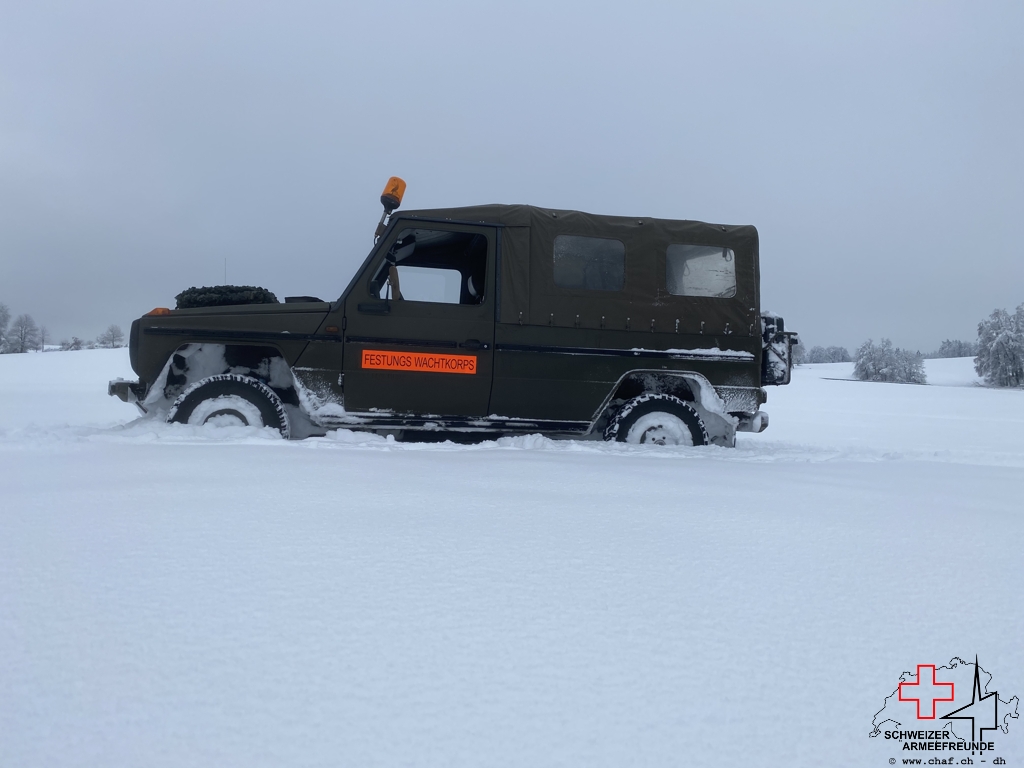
(450, 424)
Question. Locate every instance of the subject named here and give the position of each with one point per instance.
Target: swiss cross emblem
(926, 691)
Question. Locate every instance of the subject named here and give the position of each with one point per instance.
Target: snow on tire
(659, 420)
(230, 400)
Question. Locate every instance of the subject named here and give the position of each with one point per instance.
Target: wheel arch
(689, 386)
(195, 361)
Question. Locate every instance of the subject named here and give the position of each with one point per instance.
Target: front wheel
(655, 419)
(230, 400)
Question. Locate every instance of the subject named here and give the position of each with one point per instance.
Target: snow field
(174, 595)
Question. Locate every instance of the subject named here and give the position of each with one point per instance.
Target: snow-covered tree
(838, 355)
(884, 362)
(44, 338)
(1000, 357)
(799, 353)
(24, 334)
(110, 338)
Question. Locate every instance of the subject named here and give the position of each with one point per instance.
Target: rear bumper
(752, 422)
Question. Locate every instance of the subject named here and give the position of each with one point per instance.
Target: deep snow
(180, 596)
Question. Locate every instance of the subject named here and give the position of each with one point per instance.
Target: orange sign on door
(428, 362)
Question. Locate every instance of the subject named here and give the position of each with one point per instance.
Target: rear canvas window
(700, 270)
(591, 263)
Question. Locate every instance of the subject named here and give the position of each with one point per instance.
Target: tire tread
(192, 395)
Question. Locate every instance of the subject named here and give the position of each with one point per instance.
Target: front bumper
(128, 391)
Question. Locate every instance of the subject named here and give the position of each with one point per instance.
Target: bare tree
(112, 337)
(24, 334)
(44, 338)
(70, 346)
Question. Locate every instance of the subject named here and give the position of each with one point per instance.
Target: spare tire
(223, 296)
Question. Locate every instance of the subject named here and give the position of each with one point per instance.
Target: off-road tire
(676, 411)
(231, 389)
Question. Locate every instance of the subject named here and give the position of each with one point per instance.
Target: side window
(700, 270)
(592, 263)
(433, 265)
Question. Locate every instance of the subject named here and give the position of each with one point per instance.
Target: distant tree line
(23, 334)
(999, 351)
(955, 348)
(828, 355)
(998, 354)
(873, 362)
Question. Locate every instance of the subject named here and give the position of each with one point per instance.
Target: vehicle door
(419, 333)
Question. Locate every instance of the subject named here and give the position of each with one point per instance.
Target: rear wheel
(656, 419)
(230, 400)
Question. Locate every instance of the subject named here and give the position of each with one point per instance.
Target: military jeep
(493, 320)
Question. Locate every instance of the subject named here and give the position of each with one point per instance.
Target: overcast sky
(877, 146)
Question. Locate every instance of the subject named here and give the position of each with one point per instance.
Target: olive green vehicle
(496, 319)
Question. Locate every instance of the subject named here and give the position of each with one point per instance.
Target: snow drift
(174, 595)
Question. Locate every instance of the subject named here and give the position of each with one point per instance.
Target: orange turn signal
(392, 195)
(158, 311)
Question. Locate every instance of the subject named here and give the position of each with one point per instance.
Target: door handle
(474, 344)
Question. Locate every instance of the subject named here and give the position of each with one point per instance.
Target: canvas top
(530, 295)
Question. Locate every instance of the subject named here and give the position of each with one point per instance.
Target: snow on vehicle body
(492, 319)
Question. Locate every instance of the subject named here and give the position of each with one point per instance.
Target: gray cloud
(877, 147)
